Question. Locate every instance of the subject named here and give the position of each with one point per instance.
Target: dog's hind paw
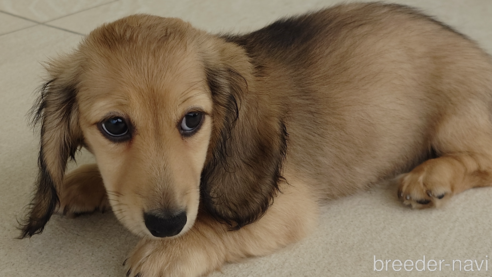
(429, 184)
(435, 181)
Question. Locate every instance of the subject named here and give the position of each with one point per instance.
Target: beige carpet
(356, 235)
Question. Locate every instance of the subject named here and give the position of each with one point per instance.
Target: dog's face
(149, 131)
(145, 115)
(160, 106)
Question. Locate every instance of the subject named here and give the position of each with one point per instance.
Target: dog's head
(167, 111)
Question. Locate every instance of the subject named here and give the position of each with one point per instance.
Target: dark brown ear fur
(56, 110)
(246, 151)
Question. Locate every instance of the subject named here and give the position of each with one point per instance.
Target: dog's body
(317, 106)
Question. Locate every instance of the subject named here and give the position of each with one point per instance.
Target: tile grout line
(21, 17)
(70, 14)
(62, 29)
(41, 24)
(46, 23)
(11, 32)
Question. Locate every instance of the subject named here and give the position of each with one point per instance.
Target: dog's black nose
(164, 224)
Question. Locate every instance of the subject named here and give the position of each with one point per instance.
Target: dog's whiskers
(140, 194)
(114, 193)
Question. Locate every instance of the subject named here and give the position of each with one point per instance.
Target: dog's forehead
(141, 31)
(142, 61)
(140, 41)
(142, 50)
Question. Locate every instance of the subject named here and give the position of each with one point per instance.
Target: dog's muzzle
(164, 224)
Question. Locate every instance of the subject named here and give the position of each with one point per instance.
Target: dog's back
(366, 88)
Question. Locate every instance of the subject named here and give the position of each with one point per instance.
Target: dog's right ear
(57, 112)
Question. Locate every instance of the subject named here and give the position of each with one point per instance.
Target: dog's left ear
(247, 146)
(56, 111)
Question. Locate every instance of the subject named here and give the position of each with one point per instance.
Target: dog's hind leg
(82, 192)
(464, 143)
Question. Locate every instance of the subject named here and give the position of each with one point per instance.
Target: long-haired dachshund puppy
(218, 147)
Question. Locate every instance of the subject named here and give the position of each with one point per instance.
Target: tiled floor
(352, 231)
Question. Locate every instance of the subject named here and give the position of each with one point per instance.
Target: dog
(214, 148)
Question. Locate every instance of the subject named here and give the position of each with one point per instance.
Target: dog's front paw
(184, 256)
(83, 192)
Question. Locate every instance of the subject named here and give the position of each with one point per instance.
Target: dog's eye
(115, 128)
(190, 123)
